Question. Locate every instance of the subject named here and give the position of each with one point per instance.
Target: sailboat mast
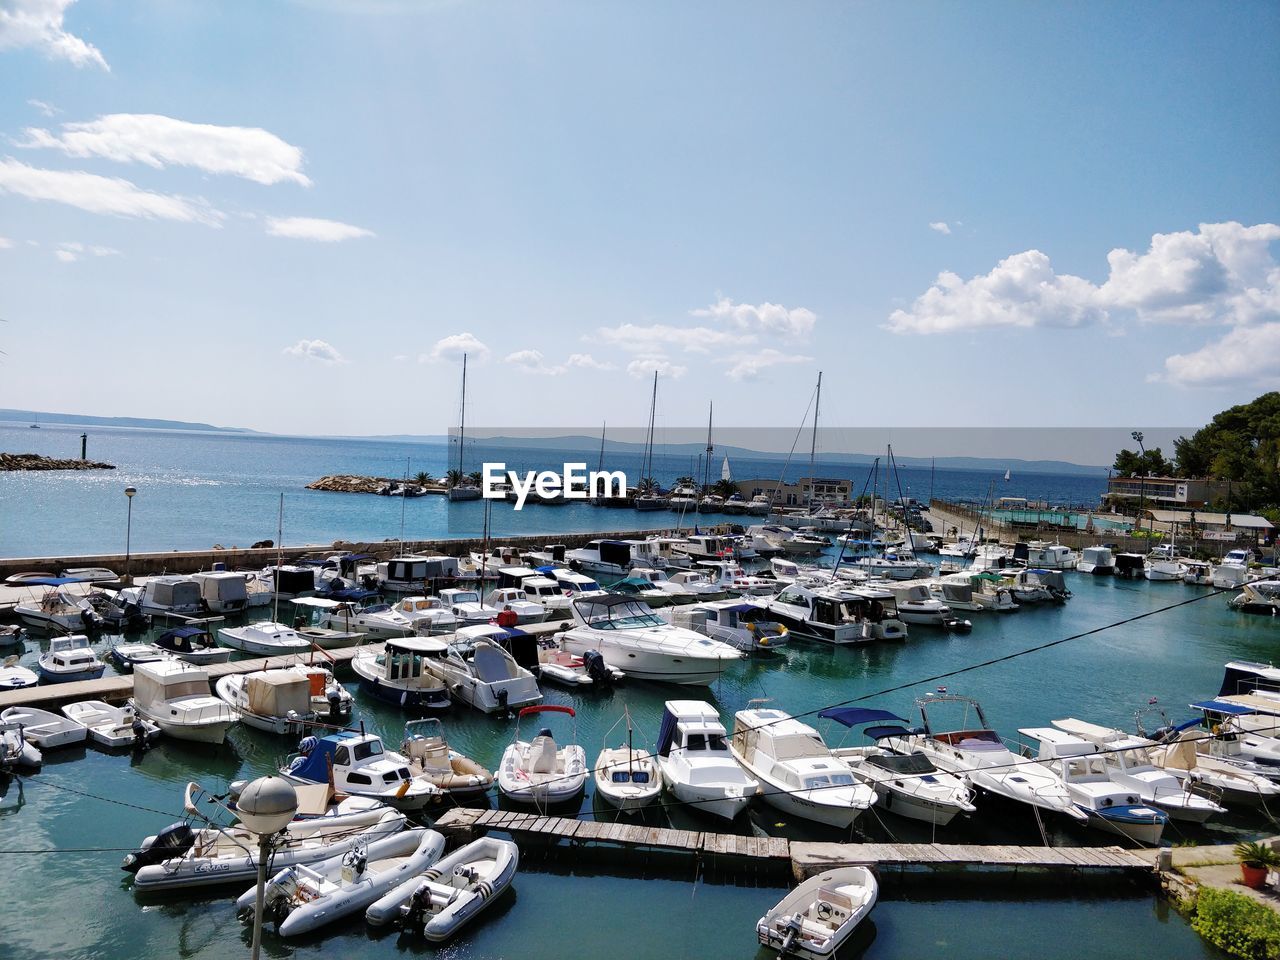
(462, 418)
(706, 466)
(275, 608)
(647, 467)
(813, 443)
(603, 427)
(404, 495)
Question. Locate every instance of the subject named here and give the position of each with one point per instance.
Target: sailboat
(464, 489)
(649, 498)
(35, 423)
(1007, 476)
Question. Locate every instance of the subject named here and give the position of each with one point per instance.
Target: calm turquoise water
(80, 904)
(198, 489)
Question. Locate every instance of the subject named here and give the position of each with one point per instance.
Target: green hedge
(1237, 924)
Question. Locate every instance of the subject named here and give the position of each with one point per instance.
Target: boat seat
(542, 755)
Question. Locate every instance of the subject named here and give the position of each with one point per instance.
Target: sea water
(62, 848)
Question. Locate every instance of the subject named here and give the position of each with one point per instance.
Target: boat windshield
(619, 616)
(370, 748)
(706, 741)
(466, 596)
(816, 781)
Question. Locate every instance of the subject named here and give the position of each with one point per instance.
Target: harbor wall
(194, 561)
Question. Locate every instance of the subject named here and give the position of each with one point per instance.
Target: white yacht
(357, 764)
(1162, 563)
(1233, 570)
(1111, 806)
(175, 696)
(478, 671)
(575, 585)
(609, 558)
(377, 620)
(696, 763)
(312, 620)
(467, 606)
(1260, 596)
(426, 615)
(741, 624)
(1127, 759)
(1199, 573)
(956, 591)
(1051, 556)
(729, 576)
(68, 659)
(264, 638)
(634, 639)
(546, 592)
(891, 566)
(917, 604)
(1099, 561)
(969, 747)
(413, 574)
(275, 701)
(814, 613)
(515, 600)
(797, 772)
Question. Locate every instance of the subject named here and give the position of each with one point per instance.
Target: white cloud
(38, 24)
(532, 361)
(66, 256)
(73, 250)
(160, 141)
(312, 228)
(767, 318)
(1022, 291)
(318, 350)
(1247, 354)
(107, 195)
(454, 346)
(585, 361)
(47, 109)
(1222, 273)
(940, 226)
(644, 367)
(659, 336)
(5, 243)
(749, 366)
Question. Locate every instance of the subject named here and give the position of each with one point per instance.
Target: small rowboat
(815, 918)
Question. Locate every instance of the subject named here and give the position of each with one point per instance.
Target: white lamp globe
(267, 805)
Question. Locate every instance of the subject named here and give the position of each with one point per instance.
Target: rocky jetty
(386, 486)
(35, 461)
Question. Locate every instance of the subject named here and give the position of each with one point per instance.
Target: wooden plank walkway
(805, 858)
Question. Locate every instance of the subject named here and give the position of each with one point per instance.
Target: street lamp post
(265, 807)
(1142, 480)
(128, 533)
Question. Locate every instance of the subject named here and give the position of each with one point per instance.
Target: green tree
(724, 488)
(453, 478)
(423, 478)
(1241, 444)
(1134, 463)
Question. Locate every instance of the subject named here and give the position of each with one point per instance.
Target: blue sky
(293, 216)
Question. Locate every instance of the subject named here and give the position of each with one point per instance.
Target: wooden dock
(803, 858)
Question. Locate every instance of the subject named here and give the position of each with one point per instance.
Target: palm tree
(724, 488)
(686, 482)
(476, 477)
(423, 478)
(453, 478)
(647, 486)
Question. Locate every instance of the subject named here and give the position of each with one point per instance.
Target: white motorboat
(175, 695)
(1129, 765)
(467, 606)
(46, 730)
(1163, 563)
(69, 659)
(14, 677)
(1199, 573)
(814, 919)
(1099, 561)
(305, 897)
(909, 785)
(759, 506)
(414, 575)
(970, 748)
(695, 761)
(265, 638)
(635, 640)
(1239, 786)
(431, 757)
(1233, 571)
(287, 581)
(540, 771)
(125, 656)
(274, 701)
(15, 752)
(744, 625)
(378, 620)
(707, 546)
(728, 575)
(331, 702)
(546, 592)
(575, 585)
(625, 777)
(452, 893)
(1050, 556)
(10, 635)
(891, 566)
(223, 591)
(797, 772)
(573, 670)
(1260, 596)
(398, 673)
(426, 615)
(112, 727)
(818, 613)
(1114, 807)
(357, 764)
(478, 670)
(185, 859)
(514, 599)
(698, 584)
(193, 644)
(57, 608)
(312, 623)
(676, 591)
(167, 596)
(642, 590)
(917, 605)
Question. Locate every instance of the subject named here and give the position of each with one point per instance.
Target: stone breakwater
(34, 461)
(350, 483)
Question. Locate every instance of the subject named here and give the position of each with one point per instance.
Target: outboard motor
(335, 702)
(173, 841)
(502, 702)
(597, 669)
(414, 913)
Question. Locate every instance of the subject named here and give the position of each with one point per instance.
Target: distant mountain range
(81, 420)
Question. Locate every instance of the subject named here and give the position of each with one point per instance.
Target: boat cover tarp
(180, 638)
(616, 552)
(314, 765)
(666, 732)
(856, 716)
(1238, 679)
(1222, 706)
(522, 646)
(881, 733)
(50, 581)
(274, 694)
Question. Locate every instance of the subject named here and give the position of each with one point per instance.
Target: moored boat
(817, 917)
